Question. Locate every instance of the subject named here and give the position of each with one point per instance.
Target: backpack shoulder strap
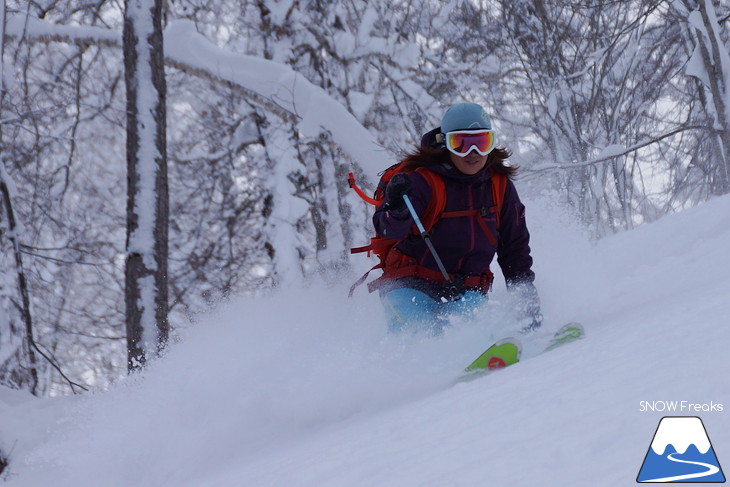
(436, 205)
(499, 186)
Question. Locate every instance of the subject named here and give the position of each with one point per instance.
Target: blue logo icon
(680, 452)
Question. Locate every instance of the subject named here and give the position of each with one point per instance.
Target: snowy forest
(159, 157)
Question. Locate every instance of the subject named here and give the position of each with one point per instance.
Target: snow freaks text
(680, 407)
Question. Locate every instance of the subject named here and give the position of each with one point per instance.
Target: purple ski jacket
(462, 244)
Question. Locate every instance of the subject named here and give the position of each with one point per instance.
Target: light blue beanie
(465, 116)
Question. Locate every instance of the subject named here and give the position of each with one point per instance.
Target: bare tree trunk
(147, 194)
(716, 63)
(23, 376)
(32, 369)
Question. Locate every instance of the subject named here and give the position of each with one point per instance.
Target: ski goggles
(461, 142)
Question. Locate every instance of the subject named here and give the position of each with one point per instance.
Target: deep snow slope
(305, 388)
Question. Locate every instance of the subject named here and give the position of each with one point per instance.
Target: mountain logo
(680, 452)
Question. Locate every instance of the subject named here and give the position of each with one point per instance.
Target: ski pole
(426, 237)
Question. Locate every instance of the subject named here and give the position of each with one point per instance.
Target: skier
(465, 236)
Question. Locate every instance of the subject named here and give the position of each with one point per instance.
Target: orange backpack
(434, 211)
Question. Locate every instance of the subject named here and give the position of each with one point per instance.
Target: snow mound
(305, 388)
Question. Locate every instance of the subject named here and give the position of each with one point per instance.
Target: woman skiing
(476, 222)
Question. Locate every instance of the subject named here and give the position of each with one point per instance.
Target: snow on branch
(273, 85)
(612, 151)
(26, 27)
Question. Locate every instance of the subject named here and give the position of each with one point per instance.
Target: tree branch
(552, 167)
(274, 86)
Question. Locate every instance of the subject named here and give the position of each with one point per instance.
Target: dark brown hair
(424, 157)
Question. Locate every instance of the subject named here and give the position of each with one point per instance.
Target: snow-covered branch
(33, 29)
(611, 152)
(273, 85)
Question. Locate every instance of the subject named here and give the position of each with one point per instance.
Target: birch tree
(18, 366)
(147, 193)
(709, 65)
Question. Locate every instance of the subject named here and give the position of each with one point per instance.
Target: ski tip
(575, 324)
(566, 334)
(574, 327)
(514, 341)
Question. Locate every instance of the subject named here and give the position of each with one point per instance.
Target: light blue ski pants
(413, 310)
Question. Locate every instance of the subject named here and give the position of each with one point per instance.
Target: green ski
(568, 333)
(500, 355)
(503, 353)
(507, 352)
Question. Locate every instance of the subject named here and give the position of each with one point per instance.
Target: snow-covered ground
(305, 388)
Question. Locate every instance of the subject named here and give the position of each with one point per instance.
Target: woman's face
(470, 164)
